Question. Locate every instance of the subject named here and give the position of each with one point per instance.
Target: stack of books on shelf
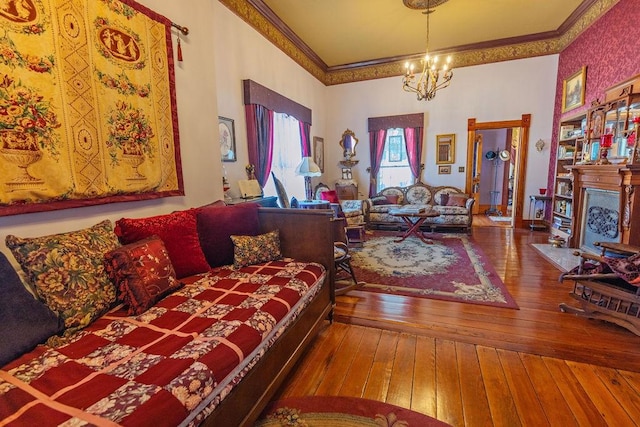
(562, 224)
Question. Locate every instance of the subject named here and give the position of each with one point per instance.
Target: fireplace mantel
(624, 180)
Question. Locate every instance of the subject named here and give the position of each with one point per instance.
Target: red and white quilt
(171, 365)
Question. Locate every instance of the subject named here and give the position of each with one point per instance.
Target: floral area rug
(316, 411)
(453, 268)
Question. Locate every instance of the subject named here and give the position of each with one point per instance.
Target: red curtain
(413, 141)
(305, 140)
(260, 140)
(377, 141)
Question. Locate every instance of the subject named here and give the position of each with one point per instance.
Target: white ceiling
(343, 32)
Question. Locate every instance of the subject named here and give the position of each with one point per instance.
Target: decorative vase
(135, 160)
(21, 149)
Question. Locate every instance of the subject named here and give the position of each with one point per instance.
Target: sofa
(353, 210)
(188, 318)
(454, 206)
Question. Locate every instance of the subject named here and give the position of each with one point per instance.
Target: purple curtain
(413, 141)
(305, 141)
(377, 141)
(260, 140)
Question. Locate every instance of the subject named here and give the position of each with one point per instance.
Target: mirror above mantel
(348, 142)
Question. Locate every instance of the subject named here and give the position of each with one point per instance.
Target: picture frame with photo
(444, 169)
(227, 133)
(573, 88)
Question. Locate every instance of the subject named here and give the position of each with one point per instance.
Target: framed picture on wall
(444, 169)
(227, 139)
(446, 149)
(573, 90)
(318, 152)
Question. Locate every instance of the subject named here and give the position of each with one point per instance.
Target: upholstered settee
(454, 206)
(353, 210)
(188, 318)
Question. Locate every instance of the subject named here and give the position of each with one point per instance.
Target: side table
(534, 201)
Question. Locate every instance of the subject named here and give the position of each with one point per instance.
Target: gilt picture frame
(227, 133)
(573, 90)
(445, 149)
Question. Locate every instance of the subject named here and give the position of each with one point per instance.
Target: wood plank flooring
(472, 365)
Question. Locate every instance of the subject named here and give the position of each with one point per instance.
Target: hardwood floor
(472, 365)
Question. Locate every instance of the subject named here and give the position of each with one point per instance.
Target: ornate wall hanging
(87, 105)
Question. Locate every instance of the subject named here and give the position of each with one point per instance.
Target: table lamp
(308, 168)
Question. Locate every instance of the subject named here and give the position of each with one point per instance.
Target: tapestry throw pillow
(67, 271)
(444, 199)
(250, 250)
(379, 200)
(215, 225)
(179, 233)
(459, 200)
(142, 273)
(24, 321)
(627, 268)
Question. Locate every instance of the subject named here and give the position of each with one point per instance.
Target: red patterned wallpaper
(610, 49)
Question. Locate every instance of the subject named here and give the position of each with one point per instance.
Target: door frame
(521, 159)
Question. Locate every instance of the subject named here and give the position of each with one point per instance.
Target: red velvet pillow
(392, 198)
(457, 200)
(330, 196)
(142, 273)
(216, 224)
(179, 234)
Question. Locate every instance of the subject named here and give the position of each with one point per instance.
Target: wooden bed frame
(305, 235)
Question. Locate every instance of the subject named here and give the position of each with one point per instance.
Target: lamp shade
(308, 167)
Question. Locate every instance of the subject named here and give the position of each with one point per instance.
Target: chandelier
(434, 76)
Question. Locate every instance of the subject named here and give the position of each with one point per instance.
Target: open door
(474, 161)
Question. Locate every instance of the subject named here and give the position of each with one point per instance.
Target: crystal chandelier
(434, 75)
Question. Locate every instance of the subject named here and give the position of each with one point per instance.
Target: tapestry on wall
(87, 105)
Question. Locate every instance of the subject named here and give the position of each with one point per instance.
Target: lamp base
(308, 191)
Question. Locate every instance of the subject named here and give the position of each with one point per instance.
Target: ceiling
(348, 40)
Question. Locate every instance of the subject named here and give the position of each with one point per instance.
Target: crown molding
(259, 16)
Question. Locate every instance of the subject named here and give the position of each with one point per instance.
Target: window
(394, 168)
(287, 154)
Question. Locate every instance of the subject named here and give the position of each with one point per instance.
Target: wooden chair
(342, 258)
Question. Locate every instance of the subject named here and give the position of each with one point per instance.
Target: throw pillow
(379, 200)
(444, 199)
(215, 225)
(250, 250)
(627, 268)
(457, 200)
(330, 196)
(142, 273)
(67, 271)
(24, 321)
(393, 199)
(179, 233)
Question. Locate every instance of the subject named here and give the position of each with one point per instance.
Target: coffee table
(414, 220)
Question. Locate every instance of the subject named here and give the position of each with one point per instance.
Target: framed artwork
(444, 169)
(446, 148)
(573, 90)
(395, 148)
(227, 139)
(318, 152)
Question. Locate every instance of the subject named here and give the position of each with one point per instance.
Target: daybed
(174, 345)
(454, 207)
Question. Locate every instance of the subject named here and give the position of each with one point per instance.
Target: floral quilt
(171, 365)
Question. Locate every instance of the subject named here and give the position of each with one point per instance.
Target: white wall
(242, 53)
(492, 92)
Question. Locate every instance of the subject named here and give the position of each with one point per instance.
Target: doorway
(496, 166)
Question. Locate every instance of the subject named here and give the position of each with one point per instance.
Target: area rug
(453, 268)
(316, 411)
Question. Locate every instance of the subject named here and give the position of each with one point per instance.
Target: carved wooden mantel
(623, 179)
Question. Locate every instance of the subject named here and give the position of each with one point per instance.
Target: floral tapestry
(87, 105)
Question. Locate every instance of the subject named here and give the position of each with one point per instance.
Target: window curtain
(305, 140)
(376, 143)
(413, 141)
(260, 140)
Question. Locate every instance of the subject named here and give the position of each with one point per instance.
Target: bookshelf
(570, 152)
